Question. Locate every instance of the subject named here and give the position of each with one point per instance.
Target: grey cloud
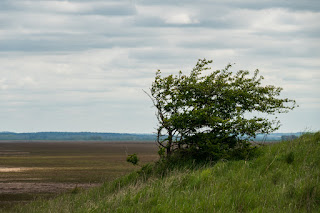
(203, 23)
(294, 64)
(69, 42)
(213, 44)
(303, 33)
(297, 79)
(309, 33)
(311, 5)
(257, 46)
(45, 45)
(206, 16)
(7, 5)
(167, 2)
(107, 8)
(95, 60)
(157, 55)
(114, 10)
(285, 51)
(156, 22)
(166, 59)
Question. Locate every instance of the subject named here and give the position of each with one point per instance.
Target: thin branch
(150, 98)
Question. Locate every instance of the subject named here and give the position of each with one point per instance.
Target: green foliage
(205, 115)
(133, 159)
(161, 152)
(290, 158)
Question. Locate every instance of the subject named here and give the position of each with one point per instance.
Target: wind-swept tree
(213, 115)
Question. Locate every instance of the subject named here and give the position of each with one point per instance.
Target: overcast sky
(82, 65)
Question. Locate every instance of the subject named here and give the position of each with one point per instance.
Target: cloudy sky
(82, 65)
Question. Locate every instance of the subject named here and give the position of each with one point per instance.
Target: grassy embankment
(284, 178)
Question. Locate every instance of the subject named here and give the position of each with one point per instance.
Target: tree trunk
(169, 145)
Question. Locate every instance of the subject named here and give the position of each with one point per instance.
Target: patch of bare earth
(22, 187)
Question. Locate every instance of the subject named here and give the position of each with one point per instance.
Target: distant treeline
(76, 136)
(93, 136)
(277, 136)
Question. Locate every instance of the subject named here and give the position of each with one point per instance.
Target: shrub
(206, 116)
(133, 159)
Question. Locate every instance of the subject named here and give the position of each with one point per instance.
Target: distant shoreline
(114, 137)
(72, 141)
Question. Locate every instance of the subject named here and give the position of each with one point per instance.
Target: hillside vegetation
(285, 177)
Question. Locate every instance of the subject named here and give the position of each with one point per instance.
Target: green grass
(284, 178)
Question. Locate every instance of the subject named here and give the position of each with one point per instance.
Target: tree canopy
(213, 114)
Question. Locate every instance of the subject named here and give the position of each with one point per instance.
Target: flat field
(44, 169)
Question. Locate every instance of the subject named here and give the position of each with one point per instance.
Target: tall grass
(284, 178)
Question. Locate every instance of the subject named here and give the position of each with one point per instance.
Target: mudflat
(33, 169)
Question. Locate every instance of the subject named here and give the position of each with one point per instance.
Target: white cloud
(26, 82)
(3, 84)
(181, 18)
(283, 20)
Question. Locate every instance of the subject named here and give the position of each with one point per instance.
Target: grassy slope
(285, 178)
